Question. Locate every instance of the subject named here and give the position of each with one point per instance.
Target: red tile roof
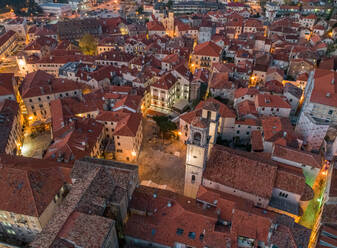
(85, 230)
(220, 80)
(75, 141)
(298, 156)
(6, 36)
(256, 140)
(6, 84)
(324, 91)
(245, 91)
(253, 173)
(290, 179)
(279, 131)
(273, 86)
(208, 48)
(40, 83)
(224, 111)
(63, 109)
(241, 171)
(41, 42)
(29, 185)
(161, 226)
(155, 26)
(129, 101)
(129, 125)
(166, 82)
(246, 108)
(273, 101)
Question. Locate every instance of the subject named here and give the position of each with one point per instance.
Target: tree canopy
(88, 44)
(165, 125)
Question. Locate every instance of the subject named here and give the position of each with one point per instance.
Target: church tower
(203, 134)
(196, 156)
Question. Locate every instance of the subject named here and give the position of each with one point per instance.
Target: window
(119, 150)
(118, 143)
(180, 231)
(262, 109)
(30, 100)
(193, 179)
(283, 194)
(197, 138)
(209, 115)
(330, 112)
(238, 132)
(39, 99)
(191, 235)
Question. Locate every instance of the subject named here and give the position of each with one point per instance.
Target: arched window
(196, 138)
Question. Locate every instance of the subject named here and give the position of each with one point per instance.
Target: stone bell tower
(196, 156)
(203, 135)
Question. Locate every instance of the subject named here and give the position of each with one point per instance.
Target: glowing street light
(133, 153)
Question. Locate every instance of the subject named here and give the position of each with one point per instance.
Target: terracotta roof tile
(28, 185)
(6, 84)
(298, 156)
(208, 48)
(40, 83)
(241, 171)
(274, 101)
(279, 131)
(256, 140)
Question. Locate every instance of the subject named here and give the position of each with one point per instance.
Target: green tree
(140, 10)
(88, 44)
(169, 4)
(165, 125)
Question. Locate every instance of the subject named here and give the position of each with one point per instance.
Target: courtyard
(161, 161)
(34, 145)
